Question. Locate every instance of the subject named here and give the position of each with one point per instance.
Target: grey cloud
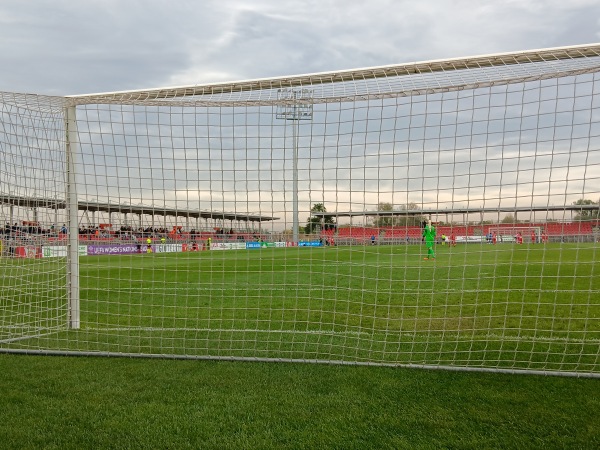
(70, 47)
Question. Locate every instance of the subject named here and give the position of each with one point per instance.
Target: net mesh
(234, 221)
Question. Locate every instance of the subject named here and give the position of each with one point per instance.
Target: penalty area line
(432, 337)
(229, 330)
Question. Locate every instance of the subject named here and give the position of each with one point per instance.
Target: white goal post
(278, 219)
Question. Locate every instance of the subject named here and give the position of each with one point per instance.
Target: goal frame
(258, 92)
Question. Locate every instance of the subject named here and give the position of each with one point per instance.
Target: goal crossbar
(372, 73)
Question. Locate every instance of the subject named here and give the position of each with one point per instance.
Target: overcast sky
(62, 47)
(67, 47)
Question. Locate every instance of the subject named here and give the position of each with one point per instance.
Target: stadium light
(297, 106)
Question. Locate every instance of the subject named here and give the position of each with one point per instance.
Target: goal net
(281, 219)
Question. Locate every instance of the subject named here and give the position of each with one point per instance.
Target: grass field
(525, 307)
(96, 403)
(505, 306)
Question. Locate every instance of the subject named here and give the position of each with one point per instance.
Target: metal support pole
(295, 217)
(297, 106)
(72, 214)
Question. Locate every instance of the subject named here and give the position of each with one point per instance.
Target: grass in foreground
(75, 403)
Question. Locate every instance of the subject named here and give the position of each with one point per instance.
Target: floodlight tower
(296, 106)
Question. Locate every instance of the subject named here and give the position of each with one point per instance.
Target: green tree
(319, 222)
(509, 218)
(385, 221)
(587, 214)
(409, 220)
(398, 220)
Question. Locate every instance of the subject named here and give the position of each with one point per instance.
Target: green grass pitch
(476, 305)
(97, 403)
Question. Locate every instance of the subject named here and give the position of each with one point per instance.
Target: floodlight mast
(297, 106)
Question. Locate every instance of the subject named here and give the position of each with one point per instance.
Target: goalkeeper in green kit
(429, 238)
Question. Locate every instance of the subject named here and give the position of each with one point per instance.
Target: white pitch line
(229, 330)
(447, 335)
